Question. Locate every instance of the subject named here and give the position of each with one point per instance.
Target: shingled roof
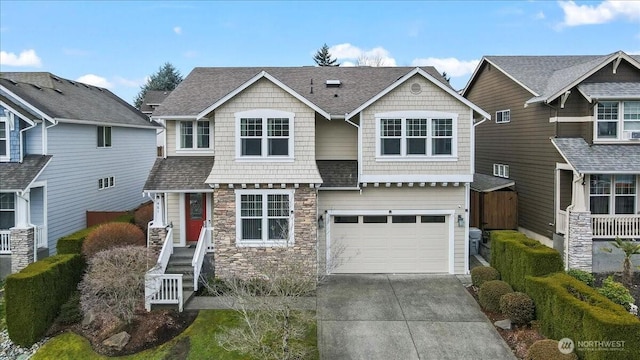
(594, 159)
(15, 176)
(180, 173)
(66, 100)
(205, 86)
(152, 99)
(546, 76)
(338, 173)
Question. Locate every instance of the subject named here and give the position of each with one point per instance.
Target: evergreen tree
(323, 57)
(166, 78)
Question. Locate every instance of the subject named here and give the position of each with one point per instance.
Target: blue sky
(118, 44)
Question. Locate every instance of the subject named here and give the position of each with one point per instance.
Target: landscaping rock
(117, 341)
(503, 324)
(88, 319)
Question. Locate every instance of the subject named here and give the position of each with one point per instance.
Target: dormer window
(264, 135)
(195, 135)
(617, 120)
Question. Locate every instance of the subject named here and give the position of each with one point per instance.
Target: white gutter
(100, 123)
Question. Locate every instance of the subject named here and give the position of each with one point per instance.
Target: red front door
(195, 214)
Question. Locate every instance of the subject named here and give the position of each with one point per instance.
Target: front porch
(624, 226)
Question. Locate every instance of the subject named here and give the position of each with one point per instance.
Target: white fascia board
(13, 110)
(100, 123)
(475, 72)
(174, 117)
(262, 74)
(153, 191)
(606, 62)
(28, 105)
(339, 188)
(433, 80)
(564, 157)
(37, 175)
(397, 178)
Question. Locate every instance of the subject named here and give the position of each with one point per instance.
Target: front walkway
(403, 317)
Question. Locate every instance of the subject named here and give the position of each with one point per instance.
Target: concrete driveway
(403, 317)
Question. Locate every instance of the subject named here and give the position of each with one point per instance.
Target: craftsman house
(65, 148)
(567, 130)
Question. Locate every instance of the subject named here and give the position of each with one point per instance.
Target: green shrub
(567, 307)
(547, 349)
(490, 293)
(516, 256)
(35, 294)
(72, 243)
(518, 307)
(585, 277)
(70, 312)
(616, 292)
(481, 274)
(112, 235)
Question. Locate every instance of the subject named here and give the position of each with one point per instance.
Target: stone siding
(580, 240)
(22, 241)
(157, 234)
(233, 261)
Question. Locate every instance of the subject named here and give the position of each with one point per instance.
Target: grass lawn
(197, 341)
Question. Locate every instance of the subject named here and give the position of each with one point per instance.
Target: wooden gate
(495, 210)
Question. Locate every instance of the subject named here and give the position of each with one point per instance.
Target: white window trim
(265, 229)
(7, 120)
(612, 194)
(107, 182)
(194, 149)
(502, 113)
(429, 115)
(14, 210)
(622, 136)
(104, 127)
(264, 114)
(501, 170)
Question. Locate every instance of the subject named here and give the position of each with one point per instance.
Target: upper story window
(501, 170)
(503, 116)
(618, 120)
(7, 211)
(265, 217)
(264, 134)
(194, 135)
(4, 135)
(104, 136)
(415, 134)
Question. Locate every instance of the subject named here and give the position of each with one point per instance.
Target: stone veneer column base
(232, 261)
(157, 235)
(22, 241)
(580, 249)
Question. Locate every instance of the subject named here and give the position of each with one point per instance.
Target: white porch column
(158, 210)
(578, 195)
(22, 210)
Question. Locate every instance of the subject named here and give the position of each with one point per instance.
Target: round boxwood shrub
(518, 307)
(547, 349)
(481, 274)
(490, 293)
(585, 277)
(112, 235)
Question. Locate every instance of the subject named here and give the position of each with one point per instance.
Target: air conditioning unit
(635, 135)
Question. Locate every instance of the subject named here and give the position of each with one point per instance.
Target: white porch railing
(40, 234)
(161, 288)
(612, 226)
(198, 257)
(5, 242)
(561, 221)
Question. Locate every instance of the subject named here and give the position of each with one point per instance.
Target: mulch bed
(635, 286)
(519, 338)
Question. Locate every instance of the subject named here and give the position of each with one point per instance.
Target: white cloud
(26, 58)
(452, 66)
(539, 15)
(606, 11)
(129, 82)
(350, 55)
(177, 30)
(95, 80)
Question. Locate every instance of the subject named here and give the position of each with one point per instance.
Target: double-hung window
(4, 135)
(617, 120)
(264, 134)
(503, 116)
(194, 135)
(265, 217)
(7, 211)
(415, 134)
(104, 136)
(612, 194)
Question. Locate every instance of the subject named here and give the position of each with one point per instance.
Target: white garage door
(390, 244)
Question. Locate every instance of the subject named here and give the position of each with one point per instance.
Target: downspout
(21, 138)
(45, 136)
(357, 126)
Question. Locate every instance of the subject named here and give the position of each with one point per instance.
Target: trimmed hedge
(515, 256)
(35, 294)
(482, 274)
(72, 243)
(567, 307)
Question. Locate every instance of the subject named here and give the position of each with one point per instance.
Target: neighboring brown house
(567, 130)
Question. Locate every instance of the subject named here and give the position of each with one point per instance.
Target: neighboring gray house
(65, 148)
(567, 130)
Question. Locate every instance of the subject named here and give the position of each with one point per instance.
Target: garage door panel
(391, 247)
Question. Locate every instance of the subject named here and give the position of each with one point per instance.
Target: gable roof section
(488, 183)
(152, 99)
(204, 87)
(338, 173)
(599, 159)
(15, 176)
(179, 173)
(548, 77)
(59, 99)
(610, 90)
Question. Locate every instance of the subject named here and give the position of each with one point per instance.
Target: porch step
(180, 263)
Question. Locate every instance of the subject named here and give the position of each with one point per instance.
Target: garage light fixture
(320, 222)
(460, 221)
